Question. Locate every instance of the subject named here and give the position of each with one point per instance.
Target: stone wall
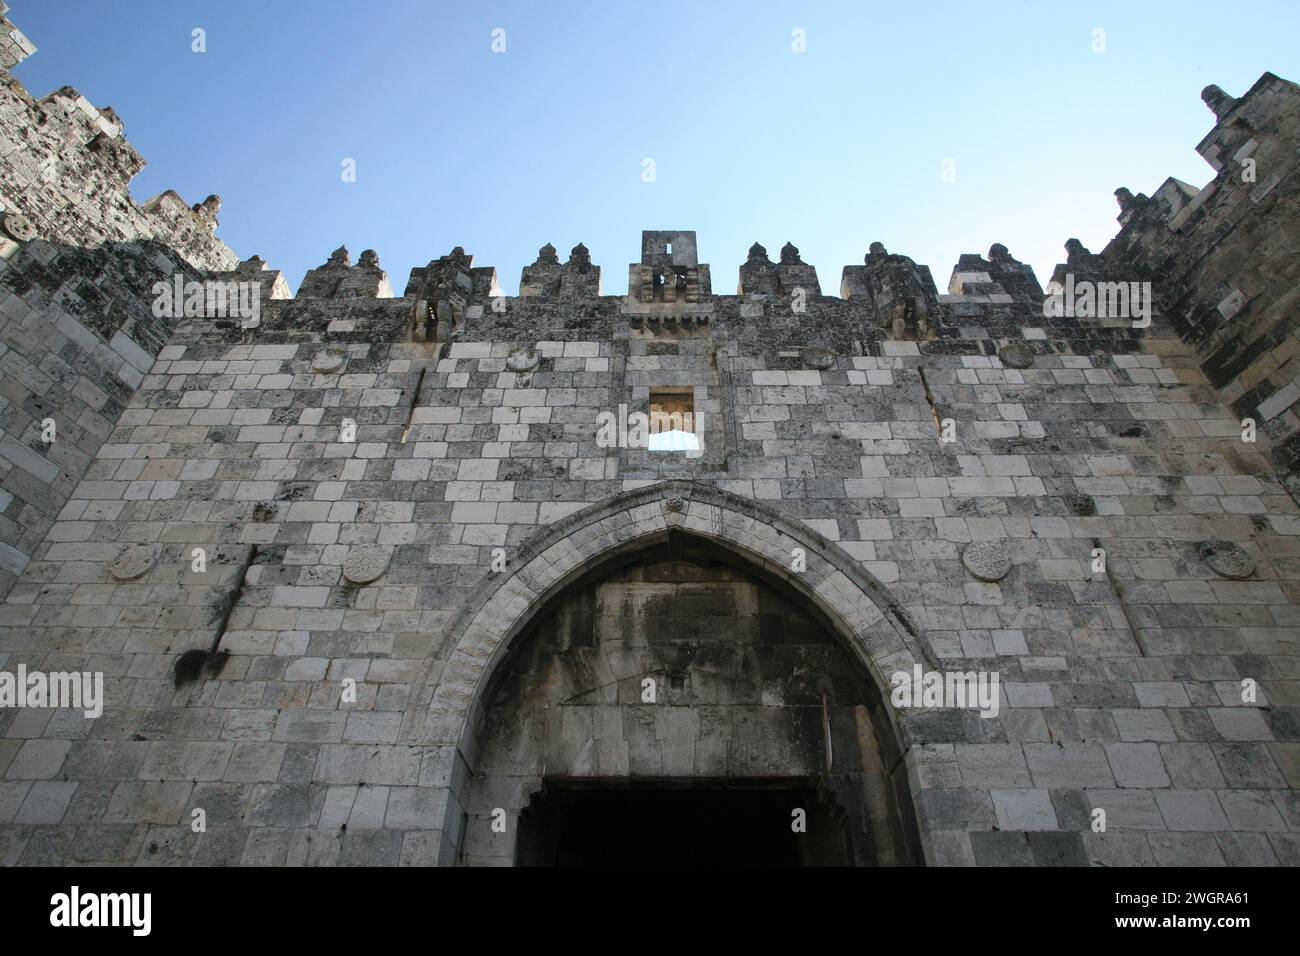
(14, 47)
(77, 261)
(1122, 688)
(1226, 258)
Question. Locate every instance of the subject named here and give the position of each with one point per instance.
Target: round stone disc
(133, 562)
(986, 560)
(1082, 505)
(18, 226)
(522, 360)
(1227, 560)
(365, 564)
(326, 362)
(1016, 355)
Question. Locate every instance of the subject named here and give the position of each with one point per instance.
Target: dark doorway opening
(662, 824)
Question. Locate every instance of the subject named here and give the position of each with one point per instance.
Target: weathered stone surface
(365, 564)
(522, 360)
(134, 562)
(18, 227)
(986, 560)
(1016, 355)
(1227, 559)
(328, 361)
(819, 358)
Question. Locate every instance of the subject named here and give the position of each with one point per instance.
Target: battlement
(1221, 259)
(339, 279)
(14, 47)
(79, 263)
(70, 182)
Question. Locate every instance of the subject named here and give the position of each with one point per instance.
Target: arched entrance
(684, 661)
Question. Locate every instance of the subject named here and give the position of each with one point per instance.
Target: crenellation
(794, 273)
(902, 295)
(271, 281)
(579, 279)
(542, 279)
(758, 275)
(668, 275)
(78, 262)
(1217, 268)
(14, 47)
(339, 279)
(1013, 276)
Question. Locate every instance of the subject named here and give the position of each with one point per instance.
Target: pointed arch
(441, 710)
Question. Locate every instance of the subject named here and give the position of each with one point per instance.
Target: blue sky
(831, 148)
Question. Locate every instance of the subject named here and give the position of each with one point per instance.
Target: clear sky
(831, 148)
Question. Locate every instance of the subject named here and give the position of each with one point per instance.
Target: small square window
(668, 248)
(673, 426)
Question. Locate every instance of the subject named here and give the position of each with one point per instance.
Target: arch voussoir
(442, 699)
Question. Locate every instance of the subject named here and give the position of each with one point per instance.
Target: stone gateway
(365, 585)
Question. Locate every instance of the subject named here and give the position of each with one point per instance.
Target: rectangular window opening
(673, 424)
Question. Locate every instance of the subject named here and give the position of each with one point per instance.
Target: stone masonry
(388, 491)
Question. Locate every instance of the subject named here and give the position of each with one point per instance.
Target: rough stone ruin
(949, 576)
